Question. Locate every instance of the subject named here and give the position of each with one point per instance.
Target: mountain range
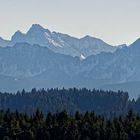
(44, 59)
(60, 43)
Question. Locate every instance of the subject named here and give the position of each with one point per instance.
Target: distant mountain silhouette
(60, 43)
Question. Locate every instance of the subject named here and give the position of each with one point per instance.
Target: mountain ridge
(60, 62)
(60, 43)
(28, 66)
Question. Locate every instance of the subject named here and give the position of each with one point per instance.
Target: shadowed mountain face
(60, 43)
(27, 66)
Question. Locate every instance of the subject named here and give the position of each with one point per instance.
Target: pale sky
(114, 21)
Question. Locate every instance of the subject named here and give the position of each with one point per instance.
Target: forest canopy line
(62, 126)
(71, 100)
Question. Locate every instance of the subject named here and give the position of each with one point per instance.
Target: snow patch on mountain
(82, 57)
